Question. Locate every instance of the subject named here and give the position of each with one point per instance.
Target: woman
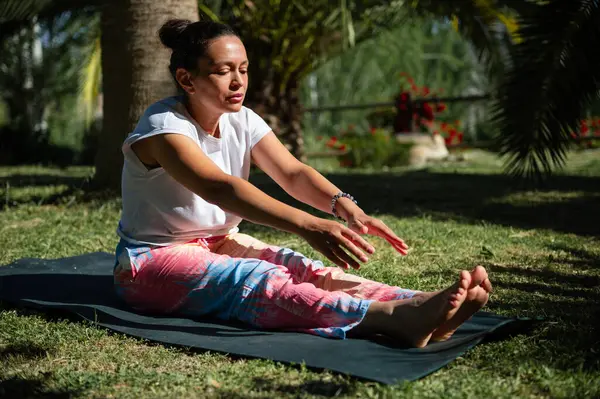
(185, 190)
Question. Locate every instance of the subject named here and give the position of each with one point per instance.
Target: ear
(184, 78)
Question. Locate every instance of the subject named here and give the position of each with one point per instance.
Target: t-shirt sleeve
(159, 118)
(257, 126)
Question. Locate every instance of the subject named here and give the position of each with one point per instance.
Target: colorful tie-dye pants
(238, 277)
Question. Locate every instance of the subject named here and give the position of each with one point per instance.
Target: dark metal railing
(392, 103)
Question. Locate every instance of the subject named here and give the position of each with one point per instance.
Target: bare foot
(414, 320)
(477, 297)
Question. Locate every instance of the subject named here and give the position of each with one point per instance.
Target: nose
(236, 81)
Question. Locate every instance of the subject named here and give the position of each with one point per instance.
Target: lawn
(540, 244)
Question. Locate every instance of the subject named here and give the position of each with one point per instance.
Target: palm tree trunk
(134, 73)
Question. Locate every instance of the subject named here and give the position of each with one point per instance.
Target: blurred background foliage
(431, 51)
(45, 88)
(531, 55)
(42, 80)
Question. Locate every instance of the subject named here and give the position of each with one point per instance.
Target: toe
(478, 276)
(465, 280)
(487, 285)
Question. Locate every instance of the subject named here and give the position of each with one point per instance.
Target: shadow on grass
(569, 304)
(17, 387)
(78, 190)
(569, 204)
(580, 258)
(320, 388)
(25, 351)
(26, 180)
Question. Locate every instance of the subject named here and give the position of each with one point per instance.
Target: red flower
(414, 88)
(373, 130)
(448, 140)
(403, 97)
(403, 107)
(584, 130)
(428, 111)
(444, 126)
(331, 142)
(460, 137)
(426, 91)
(441, 107)
(457, 122)
(574, 135)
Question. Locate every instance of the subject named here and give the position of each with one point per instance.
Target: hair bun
(170, 32)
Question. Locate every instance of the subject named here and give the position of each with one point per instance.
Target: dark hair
(189, 40)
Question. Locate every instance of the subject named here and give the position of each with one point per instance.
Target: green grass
(540, 245)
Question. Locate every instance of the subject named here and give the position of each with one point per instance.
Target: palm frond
(12, 10)
(15, 14)
(555, 75)
(489, 25)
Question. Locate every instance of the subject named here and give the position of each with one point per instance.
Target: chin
(233, 107)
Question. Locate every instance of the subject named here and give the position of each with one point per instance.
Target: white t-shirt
(156, 208)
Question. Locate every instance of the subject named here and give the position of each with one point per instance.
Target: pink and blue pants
(237, 277)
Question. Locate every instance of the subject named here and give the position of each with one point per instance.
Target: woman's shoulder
(165, 113)
(169, 105)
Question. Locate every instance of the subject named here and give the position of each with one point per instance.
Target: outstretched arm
(307, 185)
(183, 160)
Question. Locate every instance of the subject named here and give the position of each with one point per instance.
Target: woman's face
(222, 77)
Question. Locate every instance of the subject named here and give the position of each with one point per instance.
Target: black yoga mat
(83, 285)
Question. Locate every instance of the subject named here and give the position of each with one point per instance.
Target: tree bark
(134, 73)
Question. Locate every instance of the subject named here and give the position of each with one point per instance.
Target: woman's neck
(209, 122)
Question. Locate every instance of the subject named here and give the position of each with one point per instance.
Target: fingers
(361, 227)
(389, 234)
(354, 250)
(380, 229)
(357, 240)
(346, 259)
(398, 247)
(333, 253)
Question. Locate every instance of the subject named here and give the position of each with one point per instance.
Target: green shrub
(375, 148)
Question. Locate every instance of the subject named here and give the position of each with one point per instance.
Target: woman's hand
(361, 223)
(333, 239)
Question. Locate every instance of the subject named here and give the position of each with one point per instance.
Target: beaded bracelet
(334, 200)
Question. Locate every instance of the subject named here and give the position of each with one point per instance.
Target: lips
(236, 98)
